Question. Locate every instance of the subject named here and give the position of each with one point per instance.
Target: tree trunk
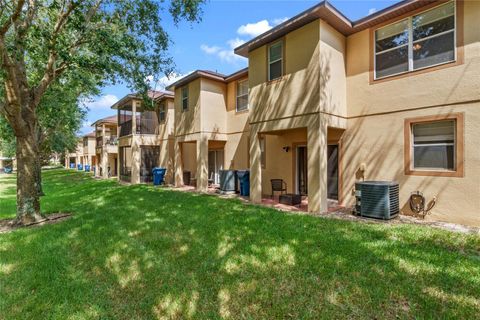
(28, 198)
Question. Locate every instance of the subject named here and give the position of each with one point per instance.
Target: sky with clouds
(209, 44)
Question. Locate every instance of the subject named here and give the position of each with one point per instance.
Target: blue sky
(225, 25)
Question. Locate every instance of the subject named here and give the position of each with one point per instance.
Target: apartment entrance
(302, 170)
(332, 171)
(215, 164)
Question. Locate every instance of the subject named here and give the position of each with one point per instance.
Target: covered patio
(303, 156)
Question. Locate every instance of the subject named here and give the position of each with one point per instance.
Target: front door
(215, 164)
(332, 172)
(302, 170)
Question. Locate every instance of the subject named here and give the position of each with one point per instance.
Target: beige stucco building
(145, 137)
(84, 153)
(392, 96)
(211, 126)
(106, 148)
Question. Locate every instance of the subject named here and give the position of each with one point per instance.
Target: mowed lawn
(139, 252)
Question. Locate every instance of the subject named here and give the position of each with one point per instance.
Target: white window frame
(271, 62)
(240, 96)
(184, 89)
(454, 144)
(410, 43)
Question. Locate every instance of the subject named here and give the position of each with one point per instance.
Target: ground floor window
(434, 145)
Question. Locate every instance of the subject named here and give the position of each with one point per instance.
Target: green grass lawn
(139, 252)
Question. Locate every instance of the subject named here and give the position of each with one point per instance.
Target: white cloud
(225, 54)
(279, 20)
(209, 50)
(372, 10)
(165, 81)
(254, 29)
(249, 30)
(102, 102)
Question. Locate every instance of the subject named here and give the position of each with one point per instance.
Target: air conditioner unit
(377, 199)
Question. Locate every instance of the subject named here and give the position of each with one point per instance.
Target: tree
(43, 40)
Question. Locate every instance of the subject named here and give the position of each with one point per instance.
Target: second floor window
(85, 142)
(275, 60)
(162, 113)
(242, 95)
(184, 98)
(420, 41)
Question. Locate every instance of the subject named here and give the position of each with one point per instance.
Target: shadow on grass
(142, 252)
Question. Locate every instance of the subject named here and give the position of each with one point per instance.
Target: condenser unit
(377, 199)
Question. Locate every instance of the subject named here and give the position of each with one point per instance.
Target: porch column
(255, 168)
(134, 117)
(136, 152)
(104, 155)
(317, 166)
(136, 161)
(178, 166)
(202, 163)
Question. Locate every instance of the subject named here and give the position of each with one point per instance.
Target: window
(85, 142)
(161, 113)
(435, 145)
(275, 60)
(263, 156)
(420, 41)
(242, 95)
(184, 98)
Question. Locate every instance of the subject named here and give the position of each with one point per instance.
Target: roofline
(99, 121)
(131, 96)
(208, 75)
(327, 12)
(117, 104)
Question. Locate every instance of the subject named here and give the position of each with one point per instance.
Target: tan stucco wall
(333, 82)
(213, 107)
(378, 142)
(449, 85)
(188, 121)
(377, 138)
(297, 92)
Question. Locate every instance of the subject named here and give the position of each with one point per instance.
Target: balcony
(126, 128)
(147, 126)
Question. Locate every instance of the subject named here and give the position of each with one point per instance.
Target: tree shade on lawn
(42, 42)
(144, 252)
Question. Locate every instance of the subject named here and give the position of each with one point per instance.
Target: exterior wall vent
(377, 199)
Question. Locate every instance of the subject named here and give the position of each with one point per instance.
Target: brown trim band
(371, 114)
(209, 132)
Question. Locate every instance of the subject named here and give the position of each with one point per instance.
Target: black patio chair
(278, 185)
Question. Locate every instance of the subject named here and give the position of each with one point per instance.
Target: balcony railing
(112, 141)
(108, 141)
(144, 126)
(147, 126)
(126, 128)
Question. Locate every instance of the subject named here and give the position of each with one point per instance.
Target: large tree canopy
(44, 41)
